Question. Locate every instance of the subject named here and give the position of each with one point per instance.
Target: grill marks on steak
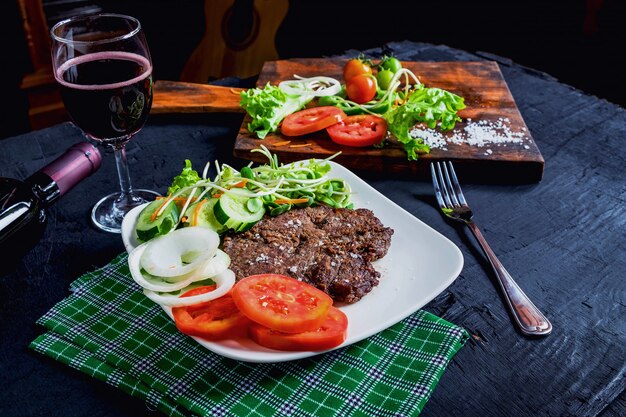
(331, 249)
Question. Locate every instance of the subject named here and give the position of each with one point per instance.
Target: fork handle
(528, 317)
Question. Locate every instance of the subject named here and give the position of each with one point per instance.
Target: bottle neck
(55, 179)
(44, 187)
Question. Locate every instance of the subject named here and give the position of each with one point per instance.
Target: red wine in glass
(103, 66)
(107, 94)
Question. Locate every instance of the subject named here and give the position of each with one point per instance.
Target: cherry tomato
(361, 88)
(330, 334)
(390, 63)
(359, 131)
(281, 303)
(355, 67)
(212, 320)
(384, 78)
(311, 120)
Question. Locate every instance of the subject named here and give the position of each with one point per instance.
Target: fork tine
(453, 190)
(457, 186)
(445, 191)
(442, 204)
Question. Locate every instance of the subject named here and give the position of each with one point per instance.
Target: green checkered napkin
(108, 329)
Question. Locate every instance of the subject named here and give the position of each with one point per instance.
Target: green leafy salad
(268, 106)
(235, 200)
(386, 90)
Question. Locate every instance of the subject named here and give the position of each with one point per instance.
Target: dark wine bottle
(23, 204)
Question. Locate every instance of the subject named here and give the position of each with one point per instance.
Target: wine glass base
(109, 212)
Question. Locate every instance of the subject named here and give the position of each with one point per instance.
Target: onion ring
(315, 86)
(179, 252)
(215, 265)
(224, 282)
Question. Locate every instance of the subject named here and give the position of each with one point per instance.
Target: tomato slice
(311, 120)
(330, 334)
(281, 303)
(212, 320)
(360, 130)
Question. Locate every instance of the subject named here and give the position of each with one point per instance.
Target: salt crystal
(262, 258)
(478, 134)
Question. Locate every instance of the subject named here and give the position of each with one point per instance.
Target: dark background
(579, 42)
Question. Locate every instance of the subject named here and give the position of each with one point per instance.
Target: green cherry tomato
(390, 63)
(384, 78)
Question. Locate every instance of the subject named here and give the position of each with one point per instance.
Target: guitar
(239, 37)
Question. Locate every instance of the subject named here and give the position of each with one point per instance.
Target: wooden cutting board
(488, 103)
(183, 97)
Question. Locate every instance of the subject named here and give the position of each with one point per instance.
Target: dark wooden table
(563, 239)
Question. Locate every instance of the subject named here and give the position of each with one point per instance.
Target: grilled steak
(331, 249)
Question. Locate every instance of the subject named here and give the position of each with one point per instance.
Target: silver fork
(452, 202)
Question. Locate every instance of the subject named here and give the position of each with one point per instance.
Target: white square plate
(420, 264)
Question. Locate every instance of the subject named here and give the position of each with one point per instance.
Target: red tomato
(212, 320)
(361, 88)
(330, 334)
(360, 130)
(355, 67)
(311, 120)
(281, 303)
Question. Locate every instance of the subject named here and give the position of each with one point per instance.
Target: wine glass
(103, 66)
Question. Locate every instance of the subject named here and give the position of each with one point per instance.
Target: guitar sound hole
(240, 25)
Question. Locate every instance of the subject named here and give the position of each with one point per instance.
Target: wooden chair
(45, 107)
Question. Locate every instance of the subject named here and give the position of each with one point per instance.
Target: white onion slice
(217, 264)
(224, 282)
(179, 252)
(315, 86)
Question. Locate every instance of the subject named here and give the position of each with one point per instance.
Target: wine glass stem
(122, 170)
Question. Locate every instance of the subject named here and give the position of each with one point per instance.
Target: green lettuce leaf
(186, 178)
(268, 106)
(431, 106)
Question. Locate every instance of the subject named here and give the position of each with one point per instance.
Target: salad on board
(373, 102)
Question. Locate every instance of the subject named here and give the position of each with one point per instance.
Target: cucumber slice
(147, 228)
(254, 204)
(234, 212)
(201, 214)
